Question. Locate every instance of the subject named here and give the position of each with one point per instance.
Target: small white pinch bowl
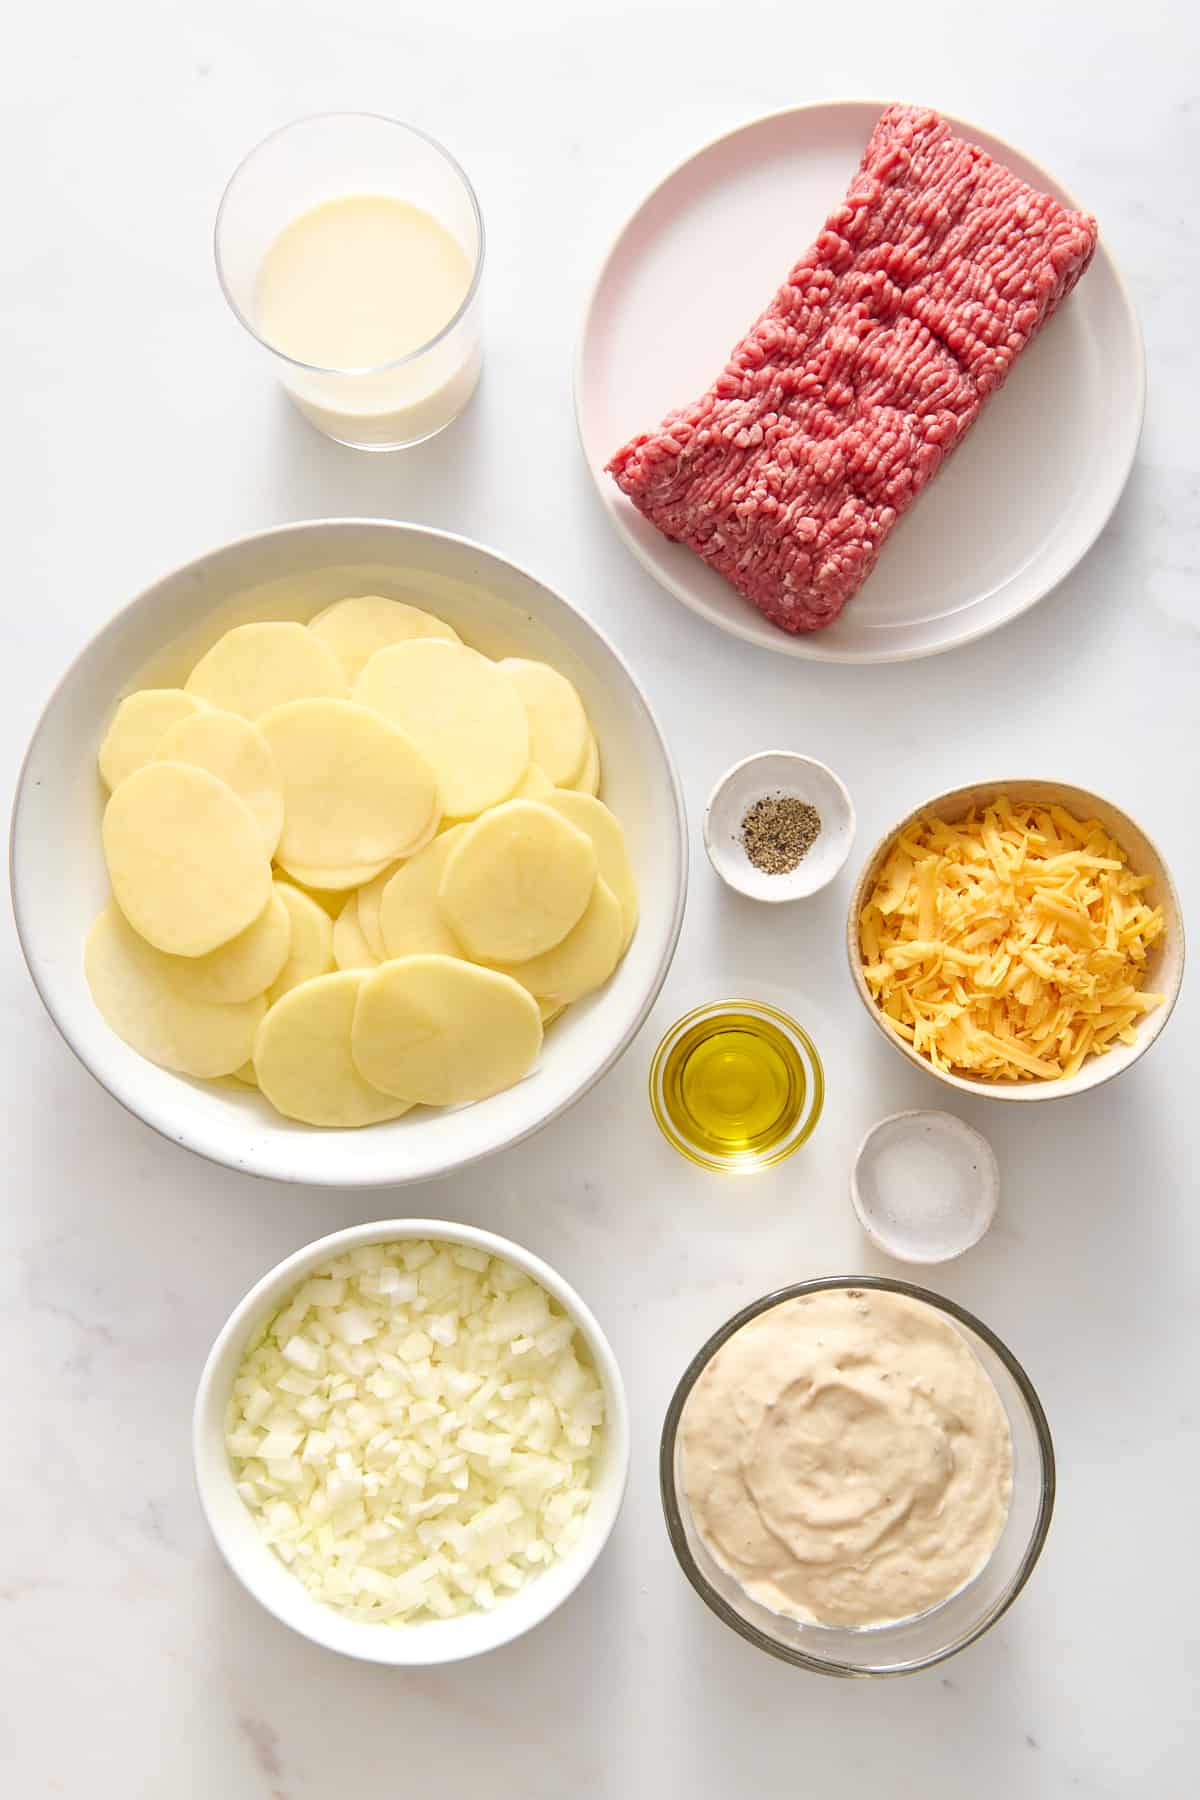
(57, 864)
(280, 1592)
(925, 1186)
(774, 772)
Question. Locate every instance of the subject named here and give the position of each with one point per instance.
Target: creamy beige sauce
(847, 1459)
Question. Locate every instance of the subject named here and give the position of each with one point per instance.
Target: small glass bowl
(930, 1637)
(748, 1161)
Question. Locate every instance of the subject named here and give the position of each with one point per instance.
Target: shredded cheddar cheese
(1011, 945)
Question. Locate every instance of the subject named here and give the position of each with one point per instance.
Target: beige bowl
(1164, 968)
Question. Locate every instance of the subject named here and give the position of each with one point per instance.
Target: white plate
(1012, 513)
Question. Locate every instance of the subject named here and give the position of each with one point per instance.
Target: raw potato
(608, 841)
(246, 1075)
(436, 1030)
(588, 779)
(516, 882)
(586, 957)
(410, 919)
(237, 753)
(255, 668)
(534, 784)
(369, 896)
(245, 966)
(185, 858)
(350, 948)
(355, 629)
(138, 727)
(460, 710)
(356, 790)
(133, 987)
(550, 1010)
(328, 887)
(311, 949)
(303, 1062)
(558, 729)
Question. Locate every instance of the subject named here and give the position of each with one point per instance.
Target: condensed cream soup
(847, 1458)
(352, 288)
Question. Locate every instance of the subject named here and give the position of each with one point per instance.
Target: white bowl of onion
(526, 1547)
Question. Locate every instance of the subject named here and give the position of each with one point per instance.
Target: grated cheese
(1010, 945)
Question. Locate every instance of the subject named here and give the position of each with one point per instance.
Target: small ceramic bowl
(925, 1186)
(258, 1568)
(774, 772)
(1164, 964)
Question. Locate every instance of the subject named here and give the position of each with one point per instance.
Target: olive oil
(734, 1086)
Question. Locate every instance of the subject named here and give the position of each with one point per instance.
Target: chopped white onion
(415, 1431)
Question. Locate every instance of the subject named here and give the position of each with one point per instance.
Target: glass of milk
(351, 247)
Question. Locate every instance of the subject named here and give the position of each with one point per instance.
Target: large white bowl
(255, 1563)
(58, 877)
(1164, 964)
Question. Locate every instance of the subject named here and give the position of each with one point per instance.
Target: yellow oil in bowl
(736, 1085)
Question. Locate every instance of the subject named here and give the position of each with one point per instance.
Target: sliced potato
(410, 918)
(303, 1062)
(310, 951)
(135, 990)
(534, 784)
(245, 966)
(558, 728)
(356, 628)
(369, 896)
(237, 753)
(350, 948)
(585, 958)
(550, 1010)
(356, 790)
(329, 887)
(138, 727)
(255, 668)
(246, 1075)
(185, 858)
(588, 779)
(460, 711)
(516, 882)
(608, 840)
(437, 1030)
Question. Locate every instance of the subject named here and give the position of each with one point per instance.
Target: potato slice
(245, 966)
(350, 948)
(255, 668)
(588, 779)
(586, 957)
(246, 1075)
(356, 628)
(138, 727)
(237, 753)
(310, 952)
(356, 791)
(303, 1062)
(370, 896)
(410, 919)
(460, 711)
(608, 840)
(134, 989)
(558, 728)
(185, 858)
(549, 1009)
(534, 784)
(436, 1030)
(516, 882)
(329, 887)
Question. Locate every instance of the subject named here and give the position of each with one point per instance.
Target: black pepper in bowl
(778, 831)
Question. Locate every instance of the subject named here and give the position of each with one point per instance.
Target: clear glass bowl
(932, 1636)
(744, 1160)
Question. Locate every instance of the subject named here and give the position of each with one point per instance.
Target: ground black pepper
(778, 831)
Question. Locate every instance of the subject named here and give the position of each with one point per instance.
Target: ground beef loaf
(871, 362)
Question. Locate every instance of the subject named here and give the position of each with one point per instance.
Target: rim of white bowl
(178, 1130)
(382, 1644)
(787, 892)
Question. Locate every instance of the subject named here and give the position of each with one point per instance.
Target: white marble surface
(140, 429)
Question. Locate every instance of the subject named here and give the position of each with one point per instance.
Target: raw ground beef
(865, 371)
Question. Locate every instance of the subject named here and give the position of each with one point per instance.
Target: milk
(349, 291)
